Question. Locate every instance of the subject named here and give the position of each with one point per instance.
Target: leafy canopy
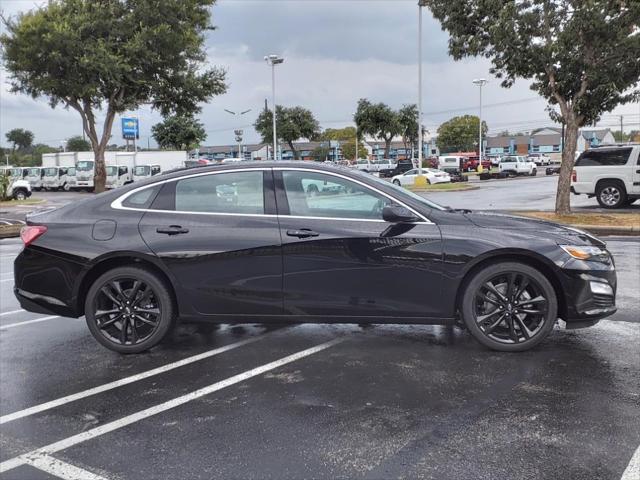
(179, 132)
(114, 55)
(292, 123)
(379, 121)
(20, 138)
(459, 134)
(78, 144)
(347, 138)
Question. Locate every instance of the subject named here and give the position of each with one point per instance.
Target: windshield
(50, 172)
(399, 191)
(112, 171)
(33, 172)
(142, 170)
(71, 171)
(85, 166)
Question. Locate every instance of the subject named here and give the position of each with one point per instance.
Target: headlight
(587, 252)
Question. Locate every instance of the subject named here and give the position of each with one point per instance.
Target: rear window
(603, 158)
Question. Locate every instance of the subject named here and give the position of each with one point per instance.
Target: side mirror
(395, 213)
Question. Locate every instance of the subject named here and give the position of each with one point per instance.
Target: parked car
(609, 173)
(433, 176)
(18, 189)
(517, 165)
(539, 159)
(552, 170)
(34, 176)
(495, 160)
(118, 175)
(375, 165)
(401, 167)
(132, 260)
(55, 178)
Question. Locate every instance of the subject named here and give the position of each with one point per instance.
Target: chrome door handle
(302, 233)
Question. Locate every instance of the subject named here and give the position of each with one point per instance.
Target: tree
(20, 138)
(408, 117)
(379, 121)
(459, 134)
(78, 144)
(112, 55)
(321, 153)
(292, 123)
(347, 138)
(180, 132)
(620, 136)
(582, 56)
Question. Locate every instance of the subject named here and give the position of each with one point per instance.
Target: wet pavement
(320, 401)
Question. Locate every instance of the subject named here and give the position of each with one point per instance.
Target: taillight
(29, 233)
(574, 176)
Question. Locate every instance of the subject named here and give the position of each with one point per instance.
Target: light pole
(356, 123)
(238, 135)
(274, 60)
(481, 82)
(421, 3)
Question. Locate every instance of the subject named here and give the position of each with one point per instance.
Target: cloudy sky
(336, 51)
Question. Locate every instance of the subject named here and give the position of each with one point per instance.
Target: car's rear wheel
(396, 182)
(611, 194)
(129, 309)
(509, 307)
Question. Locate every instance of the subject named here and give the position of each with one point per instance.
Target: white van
(145, 171)
(34, 175)
(117, 176)
(451, 162)
(55, 178)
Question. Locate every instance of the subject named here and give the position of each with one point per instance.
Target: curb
(607, 230)
(9, 230)
(423, 190)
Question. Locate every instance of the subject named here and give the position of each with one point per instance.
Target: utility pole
(481, 82)
(421, 3)
(274, 60)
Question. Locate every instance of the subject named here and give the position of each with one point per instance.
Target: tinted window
(141, 199)
(312, 194)
(601, 157)
(234, 192)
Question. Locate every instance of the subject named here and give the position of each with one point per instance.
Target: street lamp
(238, 135)
(481, 82)
(274, 60)
(421, 3)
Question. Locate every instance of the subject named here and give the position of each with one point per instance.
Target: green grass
(28, 201)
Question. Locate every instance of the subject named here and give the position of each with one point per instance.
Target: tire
(149, 328)
(396, 182)
(534, 172)
(66, 187)
(611, 194)
(506, 333)
(20, 194)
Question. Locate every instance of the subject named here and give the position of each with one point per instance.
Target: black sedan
(304, 242)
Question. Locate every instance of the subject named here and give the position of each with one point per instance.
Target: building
(544, 140)
(263, 151)
(398, 151)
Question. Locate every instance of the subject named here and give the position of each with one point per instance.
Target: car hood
(530, 225)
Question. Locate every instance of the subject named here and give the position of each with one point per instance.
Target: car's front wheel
(20, 194)
(509, 306)
(396, 182)
(129, 309)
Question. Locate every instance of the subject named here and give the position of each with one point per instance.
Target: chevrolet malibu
(253, 243)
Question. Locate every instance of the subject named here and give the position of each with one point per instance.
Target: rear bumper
(32, 302)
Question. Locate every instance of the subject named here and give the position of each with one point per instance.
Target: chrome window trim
(117, 203)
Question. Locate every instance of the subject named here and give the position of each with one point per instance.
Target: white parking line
(163, 407)
(27, 322)
(632, 472)
(61, 469)
(11, 312)
(125, 381)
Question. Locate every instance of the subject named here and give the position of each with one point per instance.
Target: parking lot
(318, 401)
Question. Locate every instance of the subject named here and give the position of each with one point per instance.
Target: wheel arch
(124, 259)
(538, 262)
(608, 179)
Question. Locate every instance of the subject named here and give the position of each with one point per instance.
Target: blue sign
(130, 128)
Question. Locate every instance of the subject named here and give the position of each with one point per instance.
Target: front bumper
(590, 295)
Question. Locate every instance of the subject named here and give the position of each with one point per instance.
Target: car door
(341, 259)
(218, 235)
(408, 178)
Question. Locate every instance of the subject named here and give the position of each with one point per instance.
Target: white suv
(610, 173)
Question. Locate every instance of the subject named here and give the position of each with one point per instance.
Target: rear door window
(604, 157)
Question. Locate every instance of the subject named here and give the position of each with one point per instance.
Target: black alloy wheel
(129, 310)
(509, 307)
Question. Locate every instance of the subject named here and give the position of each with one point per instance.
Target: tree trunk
(100, 173)
(563, 194)
(387, 147)
(295, 152)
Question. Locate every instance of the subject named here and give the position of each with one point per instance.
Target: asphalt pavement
(320, 401)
